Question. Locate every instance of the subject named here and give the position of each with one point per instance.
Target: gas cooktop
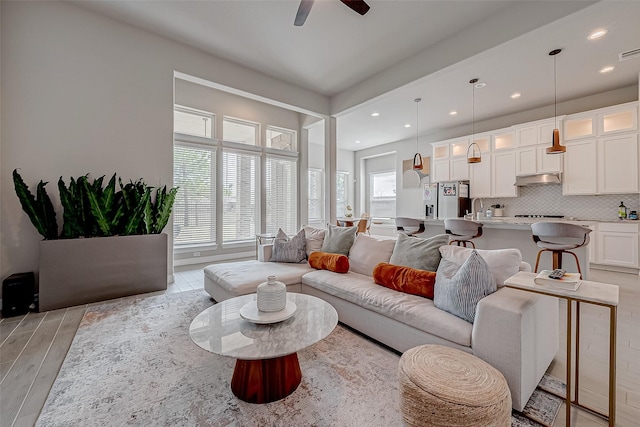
(539, 216)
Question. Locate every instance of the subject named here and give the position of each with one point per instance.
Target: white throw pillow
(314, 237)
(503, 263)
(368, 251)
(460, 293)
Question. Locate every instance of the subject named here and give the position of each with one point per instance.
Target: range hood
(539, 179)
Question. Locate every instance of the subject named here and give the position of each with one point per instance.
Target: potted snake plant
(110, 244)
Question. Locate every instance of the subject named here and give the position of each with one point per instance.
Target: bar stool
(567, 236)
(401, 223)
(462, 231)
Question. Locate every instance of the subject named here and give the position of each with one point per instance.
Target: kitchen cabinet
(503, 140)
(617, 164)
(580, 163)
(503, 174)
(607, 165)
(601, 122)
(617, 244)
(459, 169)
(440, 171)
(533, 160)
(440, 151)
(480, 178)
(534, 133)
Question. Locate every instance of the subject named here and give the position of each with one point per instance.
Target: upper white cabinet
(440, 171)
(440, 151)
(480, 178)
(503, 174)
(503, 140)
(459, 169)
(604, 121)
(579, 168)
(534, 133)
(532, 140)
(617, 166)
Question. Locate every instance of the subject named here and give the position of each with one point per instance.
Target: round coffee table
(267, 367)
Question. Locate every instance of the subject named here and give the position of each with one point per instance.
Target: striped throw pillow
(458, 290)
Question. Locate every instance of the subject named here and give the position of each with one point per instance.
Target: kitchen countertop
(509, 220)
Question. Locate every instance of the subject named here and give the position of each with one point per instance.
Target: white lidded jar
(272, 295)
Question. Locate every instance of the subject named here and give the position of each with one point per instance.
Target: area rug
(133, 363)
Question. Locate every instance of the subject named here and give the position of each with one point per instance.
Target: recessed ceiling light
(375, 114)
(597, 34)
(607, 69)
(357, 142)
(453, 113)
(516, 95)
(407, 125)
(480, 85)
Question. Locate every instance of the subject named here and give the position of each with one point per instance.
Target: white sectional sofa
(514, 331)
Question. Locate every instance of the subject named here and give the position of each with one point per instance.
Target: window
(241, 131)
(194, 174)
(281, 139)
(193, 122)
(382, 201)
(342, 193)
(316, 195)
(240, 196)
(256, 186)
(281, 179)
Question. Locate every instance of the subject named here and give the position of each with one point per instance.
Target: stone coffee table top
(220, 329)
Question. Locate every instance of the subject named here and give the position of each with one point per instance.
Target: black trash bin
(18, 294)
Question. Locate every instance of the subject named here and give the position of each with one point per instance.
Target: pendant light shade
(555, 148)
(474, 155)
(417, 158)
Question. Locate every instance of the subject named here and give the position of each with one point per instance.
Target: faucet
(473, 206)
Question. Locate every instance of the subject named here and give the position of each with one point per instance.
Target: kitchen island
(510, 232)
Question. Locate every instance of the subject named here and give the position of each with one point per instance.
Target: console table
(601, 294)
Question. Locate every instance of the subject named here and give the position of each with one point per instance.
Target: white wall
(84, 93)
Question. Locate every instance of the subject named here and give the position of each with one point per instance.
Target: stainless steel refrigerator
(447, 200)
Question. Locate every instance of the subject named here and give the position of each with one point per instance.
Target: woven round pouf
(442, 386)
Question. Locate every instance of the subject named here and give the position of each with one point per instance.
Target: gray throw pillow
(419, 253)
(338, 240)
(289, 250)
(460, 293)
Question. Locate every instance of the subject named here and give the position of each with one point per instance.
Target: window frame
(372, 198)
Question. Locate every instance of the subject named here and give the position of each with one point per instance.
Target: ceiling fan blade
(357, 5)
(303, 12)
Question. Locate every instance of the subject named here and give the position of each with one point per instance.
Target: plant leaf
(29, 204)
(97, 210)
(163, 208)
(133, 221)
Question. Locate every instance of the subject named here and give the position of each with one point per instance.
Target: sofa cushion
(338, 240)
(405, 279)
(242, 277)
(314, 237)
(369, 251)
(287, 249)
(326, 261)
(412, 310)
(503, 263)
(459, 294)
(416, 252)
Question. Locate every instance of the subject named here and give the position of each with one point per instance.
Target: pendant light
(417, 159)
(555, 148)
(473, 152)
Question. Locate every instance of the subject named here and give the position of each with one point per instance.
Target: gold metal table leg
(568, 397)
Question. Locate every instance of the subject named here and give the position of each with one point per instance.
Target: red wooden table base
(267, 380)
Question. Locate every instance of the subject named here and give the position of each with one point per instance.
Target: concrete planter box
(81, 271)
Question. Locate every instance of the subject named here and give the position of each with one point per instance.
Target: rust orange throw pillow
(405, 279)
(326, 261)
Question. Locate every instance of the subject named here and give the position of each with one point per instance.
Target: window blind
(241, 195)
(194, 207)
(281, 181)
(316, 200)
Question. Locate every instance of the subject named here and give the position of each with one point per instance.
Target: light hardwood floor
(32, 348)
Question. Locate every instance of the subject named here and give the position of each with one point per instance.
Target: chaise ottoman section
(229, 280)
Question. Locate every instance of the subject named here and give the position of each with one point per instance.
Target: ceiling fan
(305, 7)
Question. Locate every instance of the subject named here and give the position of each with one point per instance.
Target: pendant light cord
(417, 101)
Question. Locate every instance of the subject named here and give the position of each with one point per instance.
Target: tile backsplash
(548, 200)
